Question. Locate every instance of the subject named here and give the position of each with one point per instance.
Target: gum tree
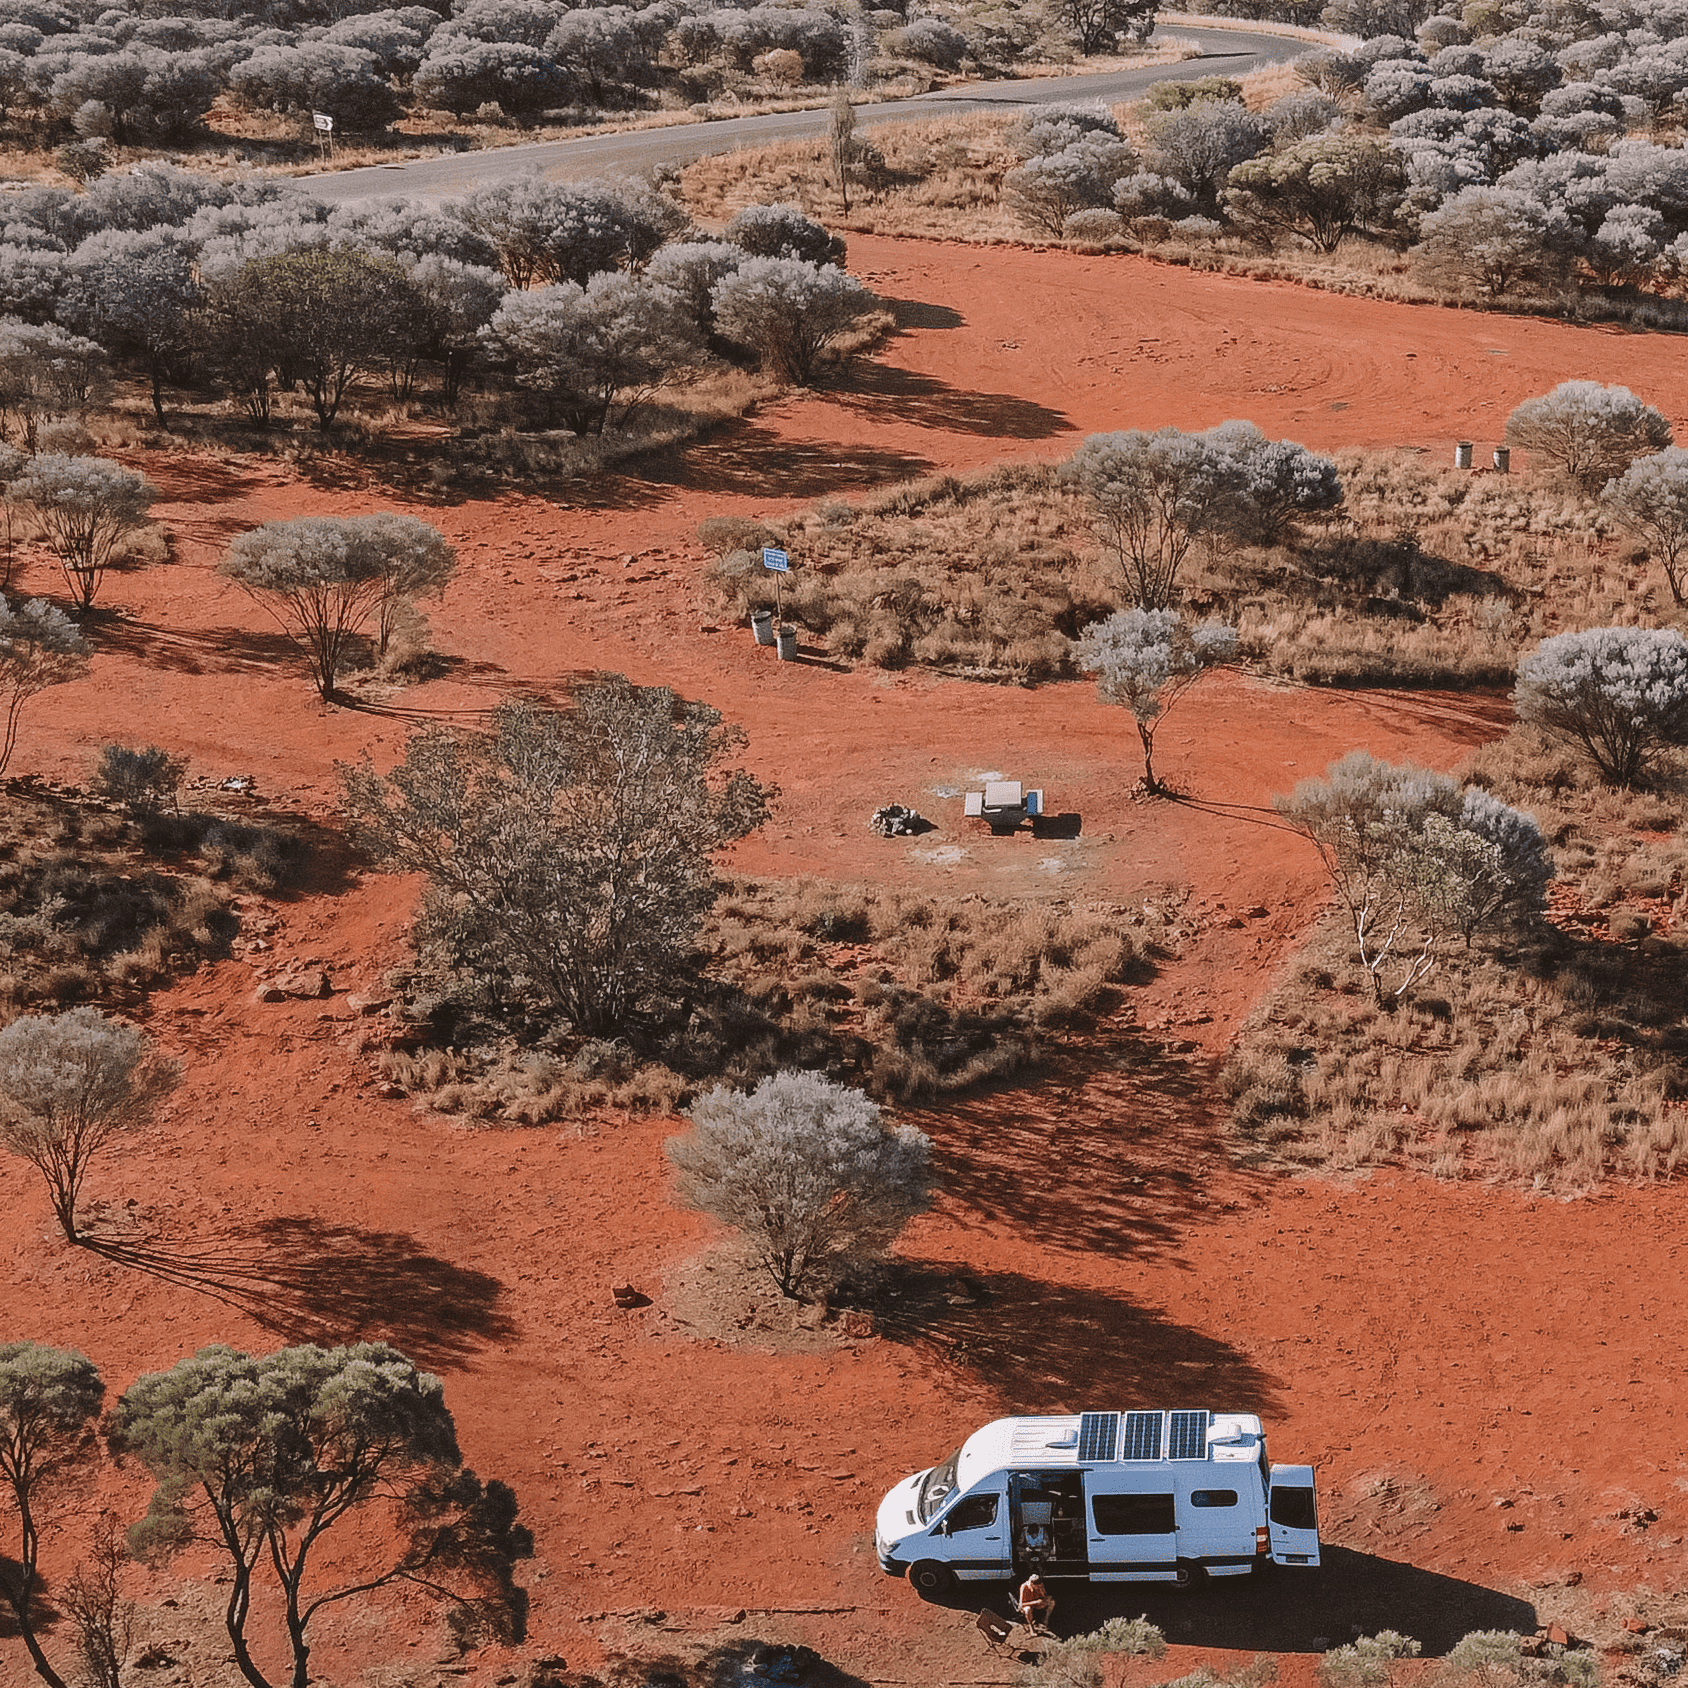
(260, 1457)
(88, 506)
(568, 854)
(323, 577)
(49, 1401)
(40, 646)
(70, 1085)
(1145, 660)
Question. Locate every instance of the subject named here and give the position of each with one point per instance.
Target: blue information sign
(775, 559)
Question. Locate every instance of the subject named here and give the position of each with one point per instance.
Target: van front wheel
(1190, 1576)
(931, 1580)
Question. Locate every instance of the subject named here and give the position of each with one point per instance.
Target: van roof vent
(1098, 1437)
(1142, 1436)
(1187, 1438)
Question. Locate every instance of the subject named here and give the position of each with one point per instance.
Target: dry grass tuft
(1557, 1062)
(908, 997)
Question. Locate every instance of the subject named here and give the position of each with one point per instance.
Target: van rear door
(1294, 1516)
(1132, 1528)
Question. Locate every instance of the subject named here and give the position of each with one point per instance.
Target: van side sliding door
(1133, 1531)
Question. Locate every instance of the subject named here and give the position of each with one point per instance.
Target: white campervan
(1114, 1497)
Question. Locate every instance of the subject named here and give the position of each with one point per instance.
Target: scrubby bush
(40, 646)
(1416, 862)
(1154, 495)
(88, 507)
(323, 577)
(1199, 146)
(1048, 188)
(582, 348)
(69, 1085)
(1495, 239)
(782, 231)
(462, 76)
(1280, 482)
(1620, 694)
(569, 856)
(1369, 1662)
(1589, 431)
(136, 293)
(1145, 660)
(344, 82)
(566, 231)
(691, 270)
(805, 1170)
(44, 372)
(1650, 499)
(141, 780)
(787, 312)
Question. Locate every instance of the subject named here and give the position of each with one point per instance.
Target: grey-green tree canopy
(49, 1400)
(260, 1456)
(568, 854)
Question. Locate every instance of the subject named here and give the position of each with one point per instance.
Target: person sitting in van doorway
(1036, 1603)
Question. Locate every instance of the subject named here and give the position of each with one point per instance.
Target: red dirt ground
(1434, 1349)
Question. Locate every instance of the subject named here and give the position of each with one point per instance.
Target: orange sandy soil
(1431, 1348)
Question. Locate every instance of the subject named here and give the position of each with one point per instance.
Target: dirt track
(1432, 1348)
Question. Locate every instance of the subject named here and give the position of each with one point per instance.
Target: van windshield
(938, 1487)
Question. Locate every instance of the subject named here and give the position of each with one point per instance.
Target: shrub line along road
(1225, 52)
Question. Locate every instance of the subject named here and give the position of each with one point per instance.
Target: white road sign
(324, 123)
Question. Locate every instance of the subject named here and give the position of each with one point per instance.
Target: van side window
(1213, 1497)
(973, 1513)
(1133, 1515)
(1293, 1508)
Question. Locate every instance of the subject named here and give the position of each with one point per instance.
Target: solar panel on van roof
(1187, 1438)
(1142, 1436)
(1098, 1436)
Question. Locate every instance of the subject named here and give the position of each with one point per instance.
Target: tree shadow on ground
(207, 650)
(1286, 1610)
(876, 389)
(306, 1280)
(751, 460)
(919, 313)
(1113, 1153)
(1064, 1346)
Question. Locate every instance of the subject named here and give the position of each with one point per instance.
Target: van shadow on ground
(1286, 1611)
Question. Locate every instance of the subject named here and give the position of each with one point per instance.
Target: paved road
(1225, 52)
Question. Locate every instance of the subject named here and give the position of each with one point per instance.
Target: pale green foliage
(322, 577)
(1496, 1658)
(805, 1170)
(1145, 660)
(1369, 1662)
(582, 347)
(261, 1455)
(1650, 499)
(1416, 861)
(40, 646)
(44, 371)
(142, 780)
(1588, 431)
(1495, 239)
(1154, 496)
(788, 311)
(1618, 693)
(49, 1400)
(1319, 189)
(88, 505)
(569, 856)
(69, 1083)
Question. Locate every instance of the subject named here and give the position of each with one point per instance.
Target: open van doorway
(1047, 1511)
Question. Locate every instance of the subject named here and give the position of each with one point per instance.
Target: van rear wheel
(1190, 1576)
(931, 1580)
